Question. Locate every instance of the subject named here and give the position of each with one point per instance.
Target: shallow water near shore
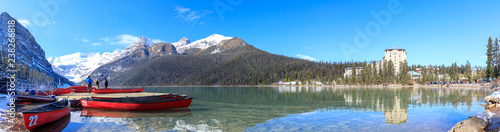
(295, 109)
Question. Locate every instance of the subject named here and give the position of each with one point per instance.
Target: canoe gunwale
(68, 104)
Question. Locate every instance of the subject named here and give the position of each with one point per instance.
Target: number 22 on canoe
(33, 120)
(84, 102)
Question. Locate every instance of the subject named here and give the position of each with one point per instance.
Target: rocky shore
(488, 121)
(16, 126)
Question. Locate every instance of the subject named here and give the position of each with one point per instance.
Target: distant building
(316, 83)
(414, 75)
(419, 70)
(348, 71)
(396, 55)
(474, 71)
(428, 70)
(288, 83)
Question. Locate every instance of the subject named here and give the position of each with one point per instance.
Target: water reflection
(251, 106)
(91, 112)
(396, 115)
(295, 109)
(55, 126)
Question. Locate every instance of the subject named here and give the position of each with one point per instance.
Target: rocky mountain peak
(229, 44)
(183, 41)
(162, 48)
(204, 43)
(143, 42)
(5, 14)
(232, 43)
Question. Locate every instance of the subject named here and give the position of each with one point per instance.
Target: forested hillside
(237, 64)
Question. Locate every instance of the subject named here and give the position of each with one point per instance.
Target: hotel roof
(395, 48)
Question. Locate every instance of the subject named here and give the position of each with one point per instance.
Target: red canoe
(139, 97)
(46, 114)
(136, 105)
(80, 89)
(62, 91)
(124, 90)
(57, 91)
(55, 126)
(20, 98)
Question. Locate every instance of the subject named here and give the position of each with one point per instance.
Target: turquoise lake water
(295, 109)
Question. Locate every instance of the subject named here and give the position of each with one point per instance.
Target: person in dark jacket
(97, 83)
(105, 83)
(89, 83)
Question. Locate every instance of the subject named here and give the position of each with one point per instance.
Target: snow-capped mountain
(211, 40)
(78, 66)
(182, 42)
(27, 49)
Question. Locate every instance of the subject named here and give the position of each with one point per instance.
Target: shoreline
(483, 85)
(489, 120)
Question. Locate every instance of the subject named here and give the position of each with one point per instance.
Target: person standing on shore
(89, 83)
(97, 83)
(105, 83)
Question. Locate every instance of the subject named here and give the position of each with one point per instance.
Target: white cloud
(85, 40)
(96, 44)
(157, 40)
(191, 16)
(305, 57)
(44, 23)
(181, 9)
(24, 22)
(105, 39)
(123, 39)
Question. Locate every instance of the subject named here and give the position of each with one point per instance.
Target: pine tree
(374, 72)
(353, 73)
(468, 70)
(364, 74)
(403, 72)
(489, 62)
(496, 57)
(382, 71)
(390, 72)
(431, 73)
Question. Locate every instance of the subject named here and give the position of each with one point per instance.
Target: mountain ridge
(28, 51)
(236, 63)
(84, 64)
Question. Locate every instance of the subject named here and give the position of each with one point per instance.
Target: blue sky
(432, 32)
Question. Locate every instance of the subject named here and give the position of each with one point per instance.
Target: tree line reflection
(235, 108)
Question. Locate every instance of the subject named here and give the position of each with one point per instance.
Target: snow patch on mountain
(216, 51)
(211, 40)
(182, 42)
(77, 66)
